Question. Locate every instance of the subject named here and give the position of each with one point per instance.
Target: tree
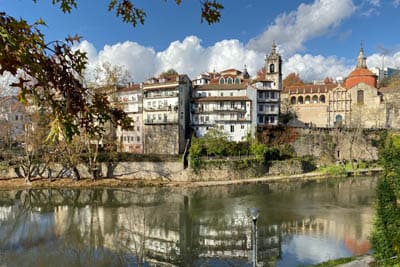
(386, 231)
(292, 79)
(328, 80)
(52, 72)
(130, 13)
(107, 75)
(170, 72)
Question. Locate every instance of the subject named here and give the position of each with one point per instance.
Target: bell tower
(273, 68)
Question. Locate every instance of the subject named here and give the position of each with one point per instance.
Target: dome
(361, 74)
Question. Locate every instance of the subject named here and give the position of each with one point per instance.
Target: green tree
(386, 232)
(52, 72)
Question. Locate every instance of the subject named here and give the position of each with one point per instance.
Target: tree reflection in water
(175, 227)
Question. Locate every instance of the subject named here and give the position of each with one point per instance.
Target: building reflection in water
(299, 224)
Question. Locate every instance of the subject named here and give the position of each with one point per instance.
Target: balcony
(161, 108)
(162, 121)
(166, 94)
(219, 109)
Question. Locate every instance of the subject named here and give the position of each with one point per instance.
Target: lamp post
(254, 213)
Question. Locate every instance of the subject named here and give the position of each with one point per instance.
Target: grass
(331, 263)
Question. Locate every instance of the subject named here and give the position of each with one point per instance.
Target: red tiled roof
(221, 87)
(361, 72)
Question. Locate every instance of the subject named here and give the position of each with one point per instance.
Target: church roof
(361, 72)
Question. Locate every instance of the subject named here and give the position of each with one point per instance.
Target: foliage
(130, 13)
(277, 135)
(335, 262)
(258, 150)
(52, 79)
(386, 232)
(328, 80)
(334, 170)
(170, 72)
(292, 79)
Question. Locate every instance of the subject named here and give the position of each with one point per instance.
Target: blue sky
(317, 38)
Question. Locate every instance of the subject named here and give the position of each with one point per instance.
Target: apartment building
(166, 114)
(130, 100)
(223, 101)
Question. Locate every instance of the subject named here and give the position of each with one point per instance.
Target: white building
(166, 114)
(130, 99)
(225, 103)
(269, 88)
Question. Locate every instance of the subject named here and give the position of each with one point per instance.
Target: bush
(386, 231)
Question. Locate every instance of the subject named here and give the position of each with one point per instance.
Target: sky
(316, 38)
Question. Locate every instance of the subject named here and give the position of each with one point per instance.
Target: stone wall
(336, 144)
(162, 139)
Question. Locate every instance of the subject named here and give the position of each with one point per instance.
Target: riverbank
(7, 183)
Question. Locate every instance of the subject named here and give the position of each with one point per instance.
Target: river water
(300, 223)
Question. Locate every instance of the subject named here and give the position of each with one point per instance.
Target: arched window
(237, 81)
(308, 99)
(271, 68)
(322, 99)
(315, 99)
(339, 118)
(221, 80)
(360, 97)
(229, 80)
(300, 100)
(293, 100)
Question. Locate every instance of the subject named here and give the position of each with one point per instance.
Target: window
(260, 108)
(242, 126)
(322, 99)
(222, 94)
(293, 100)
(232, 104)
(207, 118)
(231, 94)
(307, 99)
(272, 120)
(222, 80)
(360, 97)
(315, 99)
(237, 81)
(138, 128)
(271, 68)
(273, 95)
(300, 100)
(138, 138)
(260, 119)
(232, 128)
(230, 80)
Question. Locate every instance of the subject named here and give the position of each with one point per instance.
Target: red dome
(361, 75)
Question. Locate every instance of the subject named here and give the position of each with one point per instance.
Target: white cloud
(187, 56)
(396, 3)
(5, 80)
(375, 2)
(318, 67)
(292, 30)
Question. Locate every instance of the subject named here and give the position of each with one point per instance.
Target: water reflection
(300, 223)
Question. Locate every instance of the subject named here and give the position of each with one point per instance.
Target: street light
(253, 214)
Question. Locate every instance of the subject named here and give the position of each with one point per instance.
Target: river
(300, 223)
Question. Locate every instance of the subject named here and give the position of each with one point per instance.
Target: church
(357, 102)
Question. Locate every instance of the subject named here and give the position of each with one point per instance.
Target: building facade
(130, 100)
(166, 114)
(356, 102)
(269, 88)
